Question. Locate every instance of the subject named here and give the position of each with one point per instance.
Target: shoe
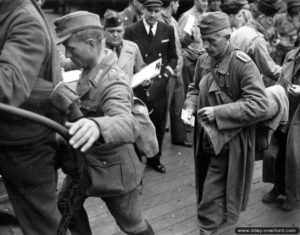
(158, 167)
(271, 196)
(288, 204)
(184, 144)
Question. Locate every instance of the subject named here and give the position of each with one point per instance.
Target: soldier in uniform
(250, 38)
(287, 26)
(227, 97)
(107, 132)
(191, 41)
(133, 12)
(175, 87)
(130, 59)
(155, 40)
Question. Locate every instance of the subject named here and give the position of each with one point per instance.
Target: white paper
(71, 76)
(189, 25)
(184, 117)
(148, 72)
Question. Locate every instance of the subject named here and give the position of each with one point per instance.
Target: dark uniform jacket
(26, 56)
(162, 46)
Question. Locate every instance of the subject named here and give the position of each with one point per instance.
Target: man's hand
(294, 90)
(84, 133)
(206, 114)
(147, 83)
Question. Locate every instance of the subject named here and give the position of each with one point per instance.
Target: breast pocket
(105, 176)
(90, 108)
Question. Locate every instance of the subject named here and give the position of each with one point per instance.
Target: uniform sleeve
(118, 123)
(193, 92)
(263, 60)
(21, 58)
(139, 62)
(251, 107)
(172, 54)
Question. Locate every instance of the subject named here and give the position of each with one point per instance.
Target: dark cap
(153, 3)
(268, 7)
(74, 22)
(293, 3)
(112, 19)
(213, 22)
(231, 6)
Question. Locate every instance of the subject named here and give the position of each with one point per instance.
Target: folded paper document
(189, 25)
(184, 117)
(148, 72)
(71, 76)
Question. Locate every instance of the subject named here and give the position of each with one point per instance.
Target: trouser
(29, 176)
(188, 72)
(126, 209)
(212, 207)
(175, 105)
(159, 119)
(280, 162)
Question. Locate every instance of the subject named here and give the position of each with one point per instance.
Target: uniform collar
(254, 24)
(223, 65)
(147, 27)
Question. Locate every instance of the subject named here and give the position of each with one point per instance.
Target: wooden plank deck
(169, 201)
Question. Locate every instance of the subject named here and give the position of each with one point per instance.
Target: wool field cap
(112, 19)
(213, 22)
(74, 22)
(268, 7)
(153, 3)
(293, 3)
(231, 6)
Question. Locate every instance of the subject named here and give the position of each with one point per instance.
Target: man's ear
(91, 43)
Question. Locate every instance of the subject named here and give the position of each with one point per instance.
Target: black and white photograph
(149, 117)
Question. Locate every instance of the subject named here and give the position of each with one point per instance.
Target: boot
(288, 204)
(271, 196)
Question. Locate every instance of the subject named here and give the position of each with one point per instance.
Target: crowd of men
(222, 62)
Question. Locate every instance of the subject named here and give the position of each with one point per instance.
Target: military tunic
(250, 40)
(235, 91)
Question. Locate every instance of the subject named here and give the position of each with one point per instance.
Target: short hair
(86, 34)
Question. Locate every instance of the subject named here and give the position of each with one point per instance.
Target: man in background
(156, 40)
(175, 86)
(191, 39)
(250, 38)
(133, 12)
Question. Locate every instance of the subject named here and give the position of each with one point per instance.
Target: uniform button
(104, 163)
(146, 55)
(159, 76)
(159, 54)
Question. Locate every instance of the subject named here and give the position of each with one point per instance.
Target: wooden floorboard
(169, 201)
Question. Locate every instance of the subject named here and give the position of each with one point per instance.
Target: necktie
(150, 32)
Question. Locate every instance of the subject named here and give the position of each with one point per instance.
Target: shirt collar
(147, 27)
